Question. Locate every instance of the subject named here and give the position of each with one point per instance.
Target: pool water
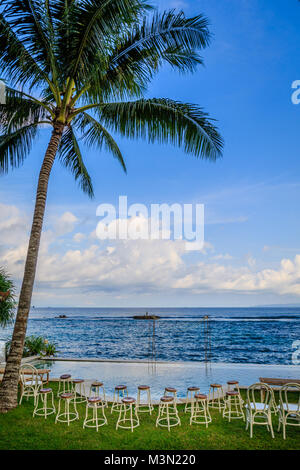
(159, 375)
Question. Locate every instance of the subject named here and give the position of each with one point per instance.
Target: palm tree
(82, 67)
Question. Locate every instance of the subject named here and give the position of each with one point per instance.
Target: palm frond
(19, 110)
(15, 146)
(139, 52)
(169, 29)
(165, 121)
(18, 65)
(97, 21)
(130, 78)
(64, 18)
(70, 155)
(94, 134)
(30, 22)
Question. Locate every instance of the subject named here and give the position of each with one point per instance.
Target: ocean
(232, 335)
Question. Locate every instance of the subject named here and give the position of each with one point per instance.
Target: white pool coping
(174, 363)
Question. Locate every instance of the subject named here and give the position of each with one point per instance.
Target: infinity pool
(176, 374)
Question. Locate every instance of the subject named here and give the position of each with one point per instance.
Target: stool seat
(120, 387)
(232, 382)
(97, 384)
(45, 390)
(170, 389)
(65, 376)
(94, 399)
(128, 400)
(201, 396)
(232, 394)
(193, 389)
(77, 381)
(66, 396)
(143, 387)
(216, 385)
(167, 399)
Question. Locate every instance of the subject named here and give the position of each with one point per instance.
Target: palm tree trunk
(9, 386)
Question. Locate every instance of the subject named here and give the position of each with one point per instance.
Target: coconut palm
(82, 67)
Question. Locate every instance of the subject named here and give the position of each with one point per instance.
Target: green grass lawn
(19, 430)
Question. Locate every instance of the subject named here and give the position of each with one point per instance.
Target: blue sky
(251, 196)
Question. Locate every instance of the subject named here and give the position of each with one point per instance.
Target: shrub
(49, 349)
(7, 304)
(34, 346)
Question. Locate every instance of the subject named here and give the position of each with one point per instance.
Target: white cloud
(14, 225)
(123, 267)
(79, 237)
(65, 223)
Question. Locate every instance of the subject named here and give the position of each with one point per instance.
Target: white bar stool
(171, 391)
(78, 388)
(119, 394)
(65, 385)
(66, 416)
(190, 397)
(44, 410)
(200, 411)
(125, 410)
(144, 407)
(167, 413)
(233, 386)
(233, 406)
(94, 404)
(97, 390)
(216, 397)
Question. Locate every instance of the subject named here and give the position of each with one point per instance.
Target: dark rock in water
(146, 317)
(62, 316)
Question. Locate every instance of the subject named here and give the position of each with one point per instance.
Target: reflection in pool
(177, 374)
